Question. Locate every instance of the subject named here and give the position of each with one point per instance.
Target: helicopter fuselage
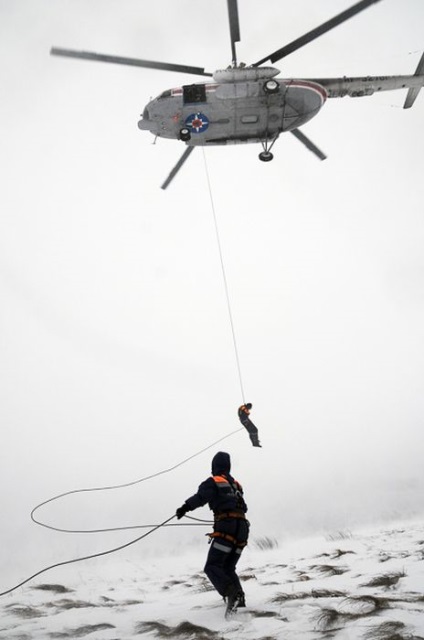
(247, 103)
(242, 104)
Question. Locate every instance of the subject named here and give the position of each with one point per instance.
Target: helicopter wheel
(266, 156)
(271, 86)
(185, 134)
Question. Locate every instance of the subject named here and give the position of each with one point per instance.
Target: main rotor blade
(133, 62)
(177, 167)
(308, 143)
(234, 27)
(318, 31)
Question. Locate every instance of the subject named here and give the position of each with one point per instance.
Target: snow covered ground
(366, 585)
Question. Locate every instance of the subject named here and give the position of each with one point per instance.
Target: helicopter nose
(145, 122)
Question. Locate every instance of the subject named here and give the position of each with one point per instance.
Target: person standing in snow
(231, 528)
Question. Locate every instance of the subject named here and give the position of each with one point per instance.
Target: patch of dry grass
(183, 630)
(303, 595)
(53, 588)
(265, 543)
(23, 611)
(387, 631)
(80, 632)
(329, 569)
(67, 603)
(386, 580)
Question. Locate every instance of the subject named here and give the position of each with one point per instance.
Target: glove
(181, 511)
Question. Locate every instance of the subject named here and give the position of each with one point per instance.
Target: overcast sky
(117, 358)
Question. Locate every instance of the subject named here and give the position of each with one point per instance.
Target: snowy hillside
(366, 585)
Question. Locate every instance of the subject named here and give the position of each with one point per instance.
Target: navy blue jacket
(220, 491)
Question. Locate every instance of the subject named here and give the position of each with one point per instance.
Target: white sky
(116, 352)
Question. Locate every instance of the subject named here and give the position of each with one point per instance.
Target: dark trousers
(224, 554)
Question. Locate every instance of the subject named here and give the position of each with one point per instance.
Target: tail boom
(357, 87)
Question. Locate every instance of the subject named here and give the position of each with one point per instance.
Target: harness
(223, 484)
(230, 514)
(226, 487)
(226, 536)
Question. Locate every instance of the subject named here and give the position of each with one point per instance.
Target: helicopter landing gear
(271, 86)
(185, 134)
(267, 144)
(266, 156)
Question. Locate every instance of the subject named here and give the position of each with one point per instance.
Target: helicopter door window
(193, 93)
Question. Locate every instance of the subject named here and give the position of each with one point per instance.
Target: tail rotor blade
(308, 143)
(177, 167)
(318, 31)
(132, 62)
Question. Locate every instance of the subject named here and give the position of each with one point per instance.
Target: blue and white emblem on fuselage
(197, 122)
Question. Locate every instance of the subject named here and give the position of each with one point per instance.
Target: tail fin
(414, 91)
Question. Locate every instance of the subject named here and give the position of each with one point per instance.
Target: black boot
(231, 598)
(241, 600)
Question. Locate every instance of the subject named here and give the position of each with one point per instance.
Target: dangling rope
(153, 528)
(117, 486)
(224, 277)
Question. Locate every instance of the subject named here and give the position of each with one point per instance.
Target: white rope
(224, 277)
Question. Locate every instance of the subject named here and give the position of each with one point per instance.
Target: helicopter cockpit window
(165, 94)
(193, 93)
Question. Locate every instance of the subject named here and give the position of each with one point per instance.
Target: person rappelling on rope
(243, 414)
(224, 496)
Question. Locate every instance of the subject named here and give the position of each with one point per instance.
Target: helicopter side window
(193, 93)
(252, 119)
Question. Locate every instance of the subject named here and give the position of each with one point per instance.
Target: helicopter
(247, 103)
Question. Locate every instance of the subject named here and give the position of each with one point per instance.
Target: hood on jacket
(221, 463)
